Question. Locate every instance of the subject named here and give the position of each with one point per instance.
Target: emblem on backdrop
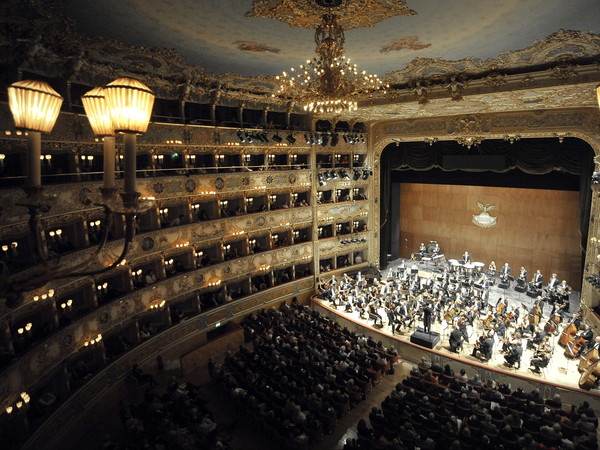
(484, 219)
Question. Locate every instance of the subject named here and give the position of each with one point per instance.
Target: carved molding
(349, 13)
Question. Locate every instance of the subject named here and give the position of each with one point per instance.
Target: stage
(561, 372)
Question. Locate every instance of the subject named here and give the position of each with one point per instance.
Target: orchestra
(458, 298)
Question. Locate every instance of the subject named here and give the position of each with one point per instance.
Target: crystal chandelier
(329, 83)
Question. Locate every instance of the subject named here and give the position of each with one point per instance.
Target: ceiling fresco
(227, 36)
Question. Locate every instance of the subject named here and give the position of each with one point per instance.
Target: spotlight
(333, 175)
(365, 174)
(322, 181)
(291, 139)
(345, 138)
(324, 139)
(248, 138)
(327, 176)
(264, 137)
(357, 174)
(240, 134)
(307, 138)
(362, 138)
(343, 174)
(334, 139)
(277, 138)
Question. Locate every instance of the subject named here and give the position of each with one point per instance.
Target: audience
(305, 373)
(429, 412)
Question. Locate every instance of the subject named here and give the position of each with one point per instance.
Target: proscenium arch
(581, 123)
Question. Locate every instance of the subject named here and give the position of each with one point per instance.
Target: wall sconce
(67, 304)
(10, 250)
(46, 160)
(273, 198)
(249, 201)
(164, 213)
(195, 208)
(293, 158)
(94, 341)
(87, 161)
(294, 196)
(191, 159)
(26, 329)
(102, 288)
(271, 158)
(35, 106)
(220, 159)
(227, 247)
(45, 296)
(158, 160)
(2, 157)
(224, 203)
(95, 225)
(246, 158)
(137, 276)
(252, 242)
(158, 304)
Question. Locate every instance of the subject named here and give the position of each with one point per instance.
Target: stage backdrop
(535, 228)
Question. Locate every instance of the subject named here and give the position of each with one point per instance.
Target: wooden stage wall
(536, 228)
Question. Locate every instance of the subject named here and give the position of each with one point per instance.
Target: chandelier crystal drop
(329, 83)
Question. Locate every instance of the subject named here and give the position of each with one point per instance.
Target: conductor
(427, 312)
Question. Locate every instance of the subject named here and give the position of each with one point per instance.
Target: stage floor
(560, 370)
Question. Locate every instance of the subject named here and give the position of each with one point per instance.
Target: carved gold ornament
(350, 13)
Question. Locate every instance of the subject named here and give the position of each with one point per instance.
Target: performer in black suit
(536, 281)
(466, 258)
(456, 340)
(427, 312)
(505, 273)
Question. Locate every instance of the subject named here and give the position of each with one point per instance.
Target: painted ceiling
(221, 37)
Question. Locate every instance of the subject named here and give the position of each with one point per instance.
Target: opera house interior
(258, 224)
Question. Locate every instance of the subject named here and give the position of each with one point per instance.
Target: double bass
(568, 334)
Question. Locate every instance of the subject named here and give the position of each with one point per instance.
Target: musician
(515, 351)
(537, 279)
(588, 334)
(505, 273)
(541, 357)
(391, 315)
(563, 291)
(484, 346)
(492, 269)
(501, 305)
(373, 314)
(537, 339)
(553, 283)
(436, 249)
(466, 258)
(456, 340)
(427, 313)
(422, 249)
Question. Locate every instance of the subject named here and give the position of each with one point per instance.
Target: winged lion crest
(484, 219)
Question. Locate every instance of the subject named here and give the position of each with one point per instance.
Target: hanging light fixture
(328, 83)
(123, 106)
